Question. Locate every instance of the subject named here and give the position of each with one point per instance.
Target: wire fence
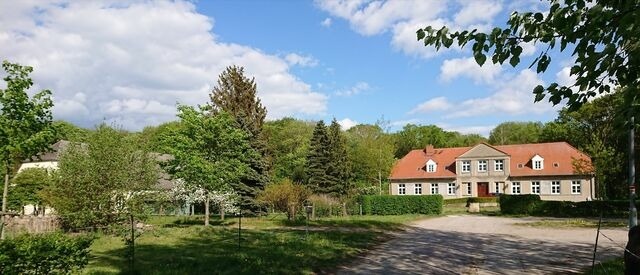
(597, 266)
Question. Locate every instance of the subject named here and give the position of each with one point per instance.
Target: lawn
(268, 245)
(584, 223)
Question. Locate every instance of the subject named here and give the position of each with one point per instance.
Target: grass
(614, 266)
(268, 245)
(583, 223)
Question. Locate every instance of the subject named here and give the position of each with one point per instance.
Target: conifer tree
(236, 95)
(318, 159)
(338, 165)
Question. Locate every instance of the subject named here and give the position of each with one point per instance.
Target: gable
(482, 150)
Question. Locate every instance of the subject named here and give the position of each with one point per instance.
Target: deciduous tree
(102, 182)
(514, 132)
(210, 152)
(25, 123)
(602, 35)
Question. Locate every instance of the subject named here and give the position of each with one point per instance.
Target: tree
(338, 165)
(153, 136)
(514, 132)
(210, 152)
(70, 132)
(25, 123)
(236, 95)
(419, 136)
(285, 196)
(288, 141)
(102, 182)
(318, 159)
(605, 40)
(597, 128)
(371, 154)
(26, 188)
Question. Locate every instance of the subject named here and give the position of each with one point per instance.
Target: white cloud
(434, 104)
(402, 123)
(476, 11)
(510, 97)
(133, 62)
(347, 123)
(404, 17)
(326, 22)
(468, 67)
(483, 130)
(301, 60)
(356, 89)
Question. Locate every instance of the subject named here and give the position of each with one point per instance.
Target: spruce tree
(318, 159)
(236, 94)
(338, 165)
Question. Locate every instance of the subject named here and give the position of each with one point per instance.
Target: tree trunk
(4, 199)
(206, 210)
(222, 211)
(344, 209)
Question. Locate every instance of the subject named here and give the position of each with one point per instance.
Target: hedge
(534, 206)
(52, 253)
(398, 205)
(519, 204)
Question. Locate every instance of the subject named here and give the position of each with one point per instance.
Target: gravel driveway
(487, 245)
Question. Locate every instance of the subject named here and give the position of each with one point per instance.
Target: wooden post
(206, 209)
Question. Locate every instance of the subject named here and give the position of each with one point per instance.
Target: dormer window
(431, 166)
(538, 162)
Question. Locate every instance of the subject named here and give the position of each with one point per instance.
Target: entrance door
(483, 189)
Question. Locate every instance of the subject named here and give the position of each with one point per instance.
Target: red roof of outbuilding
(412, 166)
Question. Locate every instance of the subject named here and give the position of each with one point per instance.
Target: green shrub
(53, 253)
(609, 209)
(398, 205)
(519, 204)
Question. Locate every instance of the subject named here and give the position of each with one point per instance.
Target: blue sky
(358, 61)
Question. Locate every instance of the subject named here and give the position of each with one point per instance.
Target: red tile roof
(412, 166)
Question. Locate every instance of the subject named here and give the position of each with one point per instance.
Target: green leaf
(480, 58)
(515, 60)
(421, 34)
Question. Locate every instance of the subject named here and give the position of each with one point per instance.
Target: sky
(131, 63)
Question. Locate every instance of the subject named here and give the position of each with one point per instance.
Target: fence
(31, 224)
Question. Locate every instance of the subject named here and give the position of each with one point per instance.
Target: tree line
(226, 147)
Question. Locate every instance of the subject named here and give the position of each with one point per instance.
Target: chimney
(429, 150)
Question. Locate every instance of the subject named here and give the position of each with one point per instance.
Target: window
(576, 187)
(497, 186)
(535, 187)
(498, 165)
(515, 188)
(417, 189)
(482, 166)
(538, 162)
(402, 189)
(451, 188)
(434, 188)
(555, 187)
(468, 189)
(537, 165)
(466, 166)
(431, 166)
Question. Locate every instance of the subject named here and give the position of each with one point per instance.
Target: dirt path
(487, 245)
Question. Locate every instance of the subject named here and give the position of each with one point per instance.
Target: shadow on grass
(200, 250)
(368, 224)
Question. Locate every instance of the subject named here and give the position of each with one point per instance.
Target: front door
(483, 189)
